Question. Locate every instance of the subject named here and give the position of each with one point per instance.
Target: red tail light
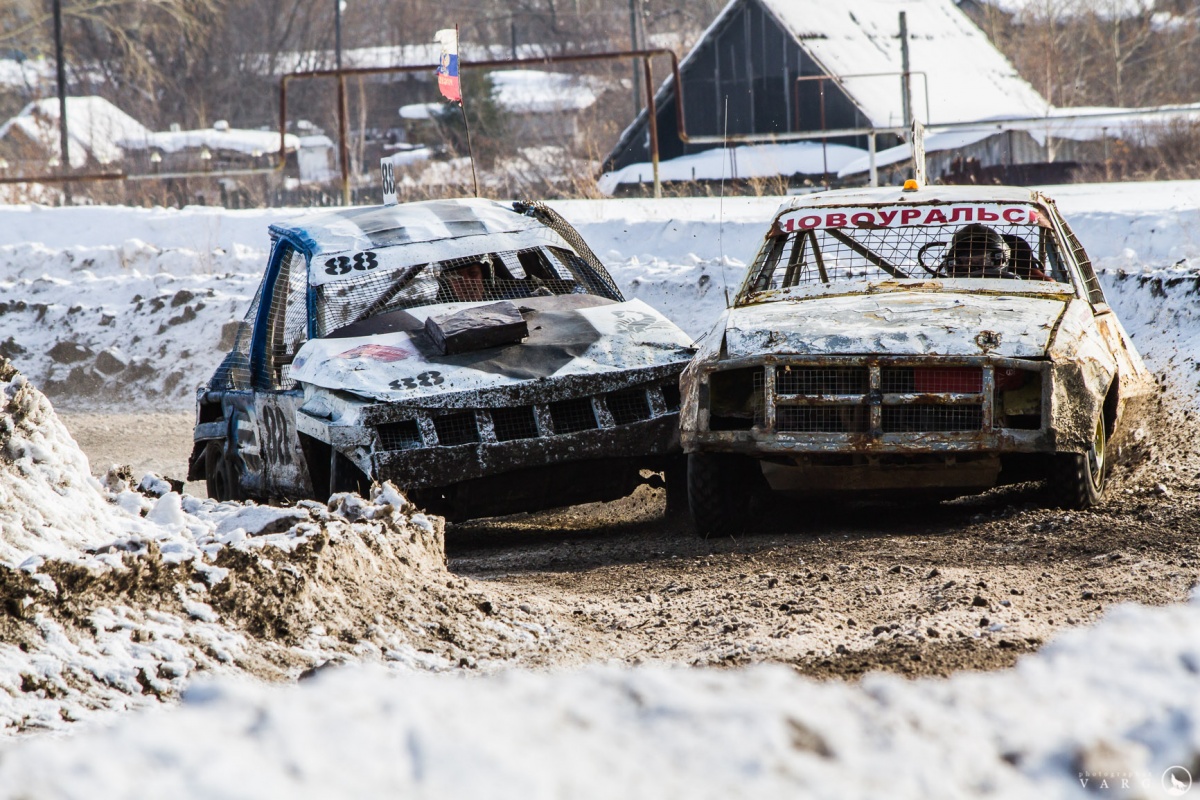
(960, 380)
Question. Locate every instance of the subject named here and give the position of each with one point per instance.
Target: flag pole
(462, 104)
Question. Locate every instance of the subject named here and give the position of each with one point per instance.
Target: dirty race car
(476, 354)
(941, 340)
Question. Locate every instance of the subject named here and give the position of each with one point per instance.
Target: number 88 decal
(362, 261)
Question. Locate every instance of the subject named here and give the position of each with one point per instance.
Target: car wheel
(220, 476)
(1078, 479)
(718, 491)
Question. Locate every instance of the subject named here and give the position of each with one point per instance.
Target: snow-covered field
(131, 303)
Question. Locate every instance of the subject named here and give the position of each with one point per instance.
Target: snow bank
(140, 302)
(114, 595)
(50, 506)
(1119, 702)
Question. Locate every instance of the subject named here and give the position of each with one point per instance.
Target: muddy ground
(834, 588)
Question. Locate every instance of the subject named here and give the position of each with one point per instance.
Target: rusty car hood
(568, 335)
(896, 323)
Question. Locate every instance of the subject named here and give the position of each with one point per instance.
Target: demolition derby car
(478, 355)
(940, 339)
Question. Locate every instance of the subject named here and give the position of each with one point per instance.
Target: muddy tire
(221, 477)
(718, 491)
(1077, 480)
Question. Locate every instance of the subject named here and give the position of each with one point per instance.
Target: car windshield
(506, 275)
(815, 247)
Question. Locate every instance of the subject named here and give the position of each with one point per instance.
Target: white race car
(476, 354)
(944, 339)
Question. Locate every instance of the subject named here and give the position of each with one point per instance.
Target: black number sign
(430, 378)
(340, 265)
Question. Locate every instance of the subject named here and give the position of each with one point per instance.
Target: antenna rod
(905, 71)
(462, 104)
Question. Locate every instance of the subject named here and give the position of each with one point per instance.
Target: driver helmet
(977, 250)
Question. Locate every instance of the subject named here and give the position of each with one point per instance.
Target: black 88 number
(389, 178)
(340, 265)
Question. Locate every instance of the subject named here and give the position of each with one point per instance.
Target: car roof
(411, 233)
(895, 195)
(373, 227)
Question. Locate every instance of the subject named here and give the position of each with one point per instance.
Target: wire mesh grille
(931, 419)
(402, 435)
(822, 380)
(454, 429)
(571, 416)
(630, 405)
(823, 419)
(831, 255)
(514, 423)
(501, 275)
(907, 380)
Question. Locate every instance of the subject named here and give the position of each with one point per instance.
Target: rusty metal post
(343, 137)
(61, 70)
(905, 71)
(652, 117)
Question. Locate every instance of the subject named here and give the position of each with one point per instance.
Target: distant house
(220, 147)
(95, 127)
(778, 66)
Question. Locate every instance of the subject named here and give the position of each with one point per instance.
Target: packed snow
(1111, 703)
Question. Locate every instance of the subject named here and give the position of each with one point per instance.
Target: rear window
(814, 247)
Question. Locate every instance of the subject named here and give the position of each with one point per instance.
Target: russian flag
(447, 71)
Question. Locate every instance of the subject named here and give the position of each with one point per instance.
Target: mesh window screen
(287, 318)
(504, 275)
(1091, 282)
(234, 371)
(832, 255)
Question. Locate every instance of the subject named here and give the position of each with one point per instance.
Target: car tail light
(960, 380)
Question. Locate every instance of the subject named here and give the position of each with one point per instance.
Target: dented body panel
(851, 360)
(336, 379)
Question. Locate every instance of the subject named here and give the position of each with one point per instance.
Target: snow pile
(1095, 707)
(113, 595)
(49, 503)
(146, 313)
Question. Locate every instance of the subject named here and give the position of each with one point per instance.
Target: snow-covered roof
(239, 140)
(1082, 124)
(95, 128)
(968, 78)
(747, 161)
(408, 55)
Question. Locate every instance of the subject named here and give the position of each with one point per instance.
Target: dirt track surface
(835, 589)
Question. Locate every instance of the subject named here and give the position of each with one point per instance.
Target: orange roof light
(911, 186)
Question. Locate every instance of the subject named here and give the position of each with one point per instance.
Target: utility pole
(63, 141)
(633, 45)
(343, 127)
(905, 72)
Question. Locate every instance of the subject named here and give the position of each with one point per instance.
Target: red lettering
(835, 220)
(886, 217)
(863, 219)
(788, 225)
(1014, 216)
(988, 216)
(962, 214)
(909, 214)
(809, 222)
(935, 216)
